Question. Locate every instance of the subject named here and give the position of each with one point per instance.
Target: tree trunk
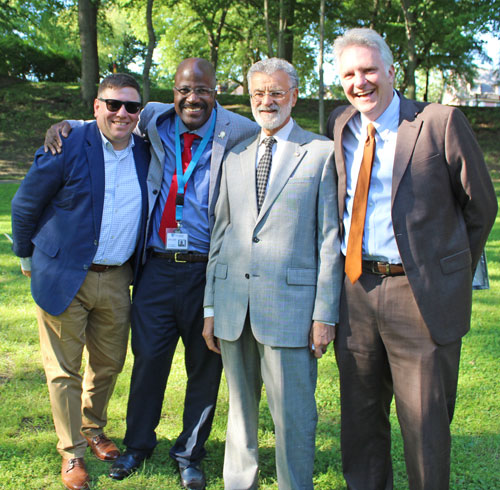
(321, 95)
(412, 55)
(285, 33)
(270, 52)
(146, 82)
(214, 38)
(87, 23)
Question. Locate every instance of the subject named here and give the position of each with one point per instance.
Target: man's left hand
(320, 336)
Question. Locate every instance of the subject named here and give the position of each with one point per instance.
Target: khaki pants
(97, 319)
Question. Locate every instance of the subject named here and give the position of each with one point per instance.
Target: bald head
(194, 91)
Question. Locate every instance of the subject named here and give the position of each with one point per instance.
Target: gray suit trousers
(289, 376)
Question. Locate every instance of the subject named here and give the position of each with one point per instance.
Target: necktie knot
(371, 131)
(269, 142)
(188, 139)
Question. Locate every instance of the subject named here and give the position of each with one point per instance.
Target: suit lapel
(221, 136)
(95, 162)
(338, 134)
(291, 157)
(408, 131)
(247, 163)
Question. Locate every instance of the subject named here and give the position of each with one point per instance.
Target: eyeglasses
(258, 95)
(199, 91)
(113, 105)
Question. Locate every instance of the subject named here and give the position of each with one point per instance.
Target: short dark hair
(118, 80)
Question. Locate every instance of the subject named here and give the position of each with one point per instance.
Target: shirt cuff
(26, 264)
(208, 311)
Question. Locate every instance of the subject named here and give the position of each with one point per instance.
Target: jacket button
(95, 242)
(247, 276)
(155, 192)
(256, 240)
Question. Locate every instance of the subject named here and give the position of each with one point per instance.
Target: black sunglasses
(114, 105)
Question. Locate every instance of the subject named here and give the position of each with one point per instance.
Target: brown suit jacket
(443, 207)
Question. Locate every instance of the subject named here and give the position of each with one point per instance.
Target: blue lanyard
(183, 177)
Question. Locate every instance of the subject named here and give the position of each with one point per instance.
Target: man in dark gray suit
(412, 240)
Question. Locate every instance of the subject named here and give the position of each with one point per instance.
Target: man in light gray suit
(273, 280)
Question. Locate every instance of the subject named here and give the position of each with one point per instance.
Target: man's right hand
(208, 335)
(26, 273)
(53, 141)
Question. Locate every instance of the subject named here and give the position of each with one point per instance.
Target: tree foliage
(40, 38)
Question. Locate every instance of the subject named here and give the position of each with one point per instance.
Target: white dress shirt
(379, 242)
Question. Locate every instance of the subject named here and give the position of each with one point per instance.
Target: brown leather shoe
(103, 448)
(74, 475)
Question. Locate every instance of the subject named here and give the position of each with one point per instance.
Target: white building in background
(484, 92)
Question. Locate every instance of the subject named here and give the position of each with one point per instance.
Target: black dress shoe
(126, 464)
(192, 477)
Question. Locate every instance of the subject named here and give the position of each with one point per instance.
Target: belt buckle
(179, 261)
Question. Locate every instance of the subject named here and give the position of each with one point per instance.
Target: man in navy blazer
(77, 220)
(168, 297)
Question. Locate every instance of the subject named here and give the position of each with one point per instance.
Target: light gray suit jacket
(282, 265)
(230, 129)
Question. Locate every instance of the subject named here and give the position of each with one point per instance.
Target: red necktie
(168, 216)
(353, 259)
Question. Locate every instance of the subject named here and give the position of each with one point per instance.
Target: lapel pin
(222, 134)
(297, 153)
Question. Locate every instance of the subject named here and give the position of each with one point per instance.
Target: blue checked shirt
(122, 206)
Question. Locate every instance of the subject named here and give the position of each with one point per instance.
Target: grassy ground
(28, 458)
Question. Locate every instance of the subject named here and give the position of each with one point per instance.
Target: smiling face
(116, 126)
(272, 113)
(194, 109)
(368, 85)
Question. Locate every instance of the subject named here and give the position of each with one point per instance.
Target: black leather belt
(383, 268)
(102, 267)
(181, 257)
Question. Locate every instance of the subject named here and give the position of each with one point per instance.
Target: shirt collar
(282, 134)
(109, 146)
(201, 131)
(388, 120)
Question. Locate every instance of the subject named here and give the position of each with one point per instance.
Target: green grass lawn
(28, 456)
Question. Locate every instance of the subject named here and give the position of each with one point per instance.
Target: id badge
(176, 240)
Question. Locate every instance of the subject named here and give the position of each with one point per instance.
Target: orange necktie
(355, 241)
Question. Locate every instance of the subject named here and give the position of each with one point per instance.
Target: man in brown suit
(417, 233)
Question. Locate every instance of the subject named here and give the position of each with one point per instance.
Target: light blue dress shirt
(195, 216)
(379, 242)
(121, 214)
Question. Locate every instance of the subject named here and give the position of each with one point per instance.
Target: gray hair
(272, 65)
(363, 36)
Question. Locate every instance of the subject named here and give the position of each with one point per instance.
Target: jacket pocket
(220, 271)
(301, 277)
(48, 247)
(455, 262)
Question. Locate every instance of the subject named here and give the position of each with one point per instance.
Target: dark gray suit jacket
(443, 208)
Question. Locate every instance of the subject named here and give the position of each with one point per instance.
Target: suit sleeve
(222, 220)
(330, 272)
(38, 188)
(471, 182)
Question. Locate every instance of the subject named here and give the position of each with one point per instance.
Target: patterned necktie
(353, 260)
(168, 216)
(263, 169)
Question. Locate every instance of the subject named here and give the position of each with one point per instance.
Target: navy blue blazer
(57, 212)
